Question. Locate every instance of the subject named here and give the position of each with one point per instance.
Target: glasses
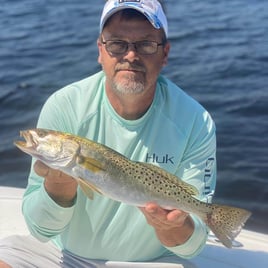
(141, 47)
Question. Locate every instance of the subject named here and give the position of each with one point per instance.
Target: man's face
(131, 72)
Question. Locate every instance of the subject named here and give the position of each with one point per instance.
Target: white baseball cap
(152, 9)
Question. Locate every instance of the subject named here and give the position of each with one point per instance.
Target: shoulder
(79, 96)
(69, 106)
(179, 107)
(175, 97)
(85, 87)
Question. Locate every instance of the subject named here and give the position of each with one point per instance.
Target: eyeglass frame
(133, 44)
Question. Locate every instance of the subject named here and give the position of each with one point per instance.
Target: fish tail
(226, 222)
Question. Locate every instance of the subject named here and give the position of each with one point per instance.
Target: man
(131, 108)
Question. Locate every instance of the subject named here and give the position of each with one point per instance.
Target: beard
(129, 84)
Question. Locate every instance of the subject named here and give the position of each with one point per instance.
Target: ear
(166, 52)
(99, 44)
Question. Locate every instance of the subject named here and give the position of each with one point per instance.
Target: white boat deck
(12, 221)
(250, 250)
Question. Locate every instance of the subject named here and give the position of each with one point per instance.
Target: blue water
(219, 56)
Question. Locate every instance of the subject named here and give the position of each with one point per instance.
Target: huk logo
(165, 159)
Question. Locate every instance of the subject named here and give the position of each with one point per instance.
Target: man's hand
(172, 227)
(59, 186)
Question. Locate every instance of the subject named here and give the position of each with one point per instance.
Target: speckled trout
(99, 168)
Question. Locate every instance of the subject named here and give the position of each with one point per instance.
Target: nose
(131, 54)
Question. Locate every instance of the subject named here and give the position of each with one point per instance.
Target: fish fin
(226, 222)
(88, 188)
(190, 189)
(90, 164)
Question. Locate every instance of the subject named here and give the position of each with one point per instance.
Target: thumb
(41, 169)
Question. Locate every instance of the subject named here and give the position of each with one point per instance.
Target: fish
(98, 168)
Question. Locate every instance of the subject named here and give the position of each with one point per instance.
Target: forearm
(45, 218)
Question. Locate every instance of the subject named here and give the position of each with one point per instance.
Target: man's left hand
(172, 227)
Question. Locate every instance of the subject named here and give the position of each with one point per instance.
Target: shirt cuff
(43, 215)
(194, 245)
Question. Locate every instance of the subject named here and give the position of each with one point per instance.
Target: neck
(130, 106)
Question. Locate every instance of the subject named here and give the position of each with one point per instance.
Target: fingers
(41, 169)
(178, 216)
(164, 219)
(154, 215)
(59, 186)
(48, 173)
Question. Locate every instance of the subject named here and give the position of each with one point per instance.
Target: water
(219, 56)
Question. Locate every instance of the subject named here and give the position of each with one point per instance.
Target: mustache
(130, 66)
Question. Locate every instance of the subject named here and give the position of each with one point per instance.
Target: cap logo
(126, 1)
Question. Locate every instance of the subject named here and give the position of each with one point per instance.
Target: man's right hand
(59, 186)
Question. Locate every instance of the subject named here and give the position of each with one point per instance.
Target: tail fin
(226, 222)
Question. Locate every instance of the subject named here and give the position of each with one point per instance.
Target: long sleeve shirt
(176, 134)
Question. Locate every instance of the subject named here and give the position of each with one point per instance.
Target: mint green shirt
(176, 133)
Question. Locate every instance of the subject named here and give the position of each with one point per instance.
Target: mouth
(29, 144)
(128, 68)
(130, 71)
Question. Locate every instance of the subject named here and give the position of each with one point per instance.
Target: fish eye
(40, 132)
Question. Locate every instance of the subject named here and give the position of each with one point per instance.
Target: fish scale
(97, 167)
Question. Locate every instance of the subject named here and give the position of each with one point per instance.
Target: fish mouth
(46, 146)
(29, 145)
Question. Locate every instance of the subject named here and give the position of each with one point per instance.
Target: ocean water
(219, 56)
